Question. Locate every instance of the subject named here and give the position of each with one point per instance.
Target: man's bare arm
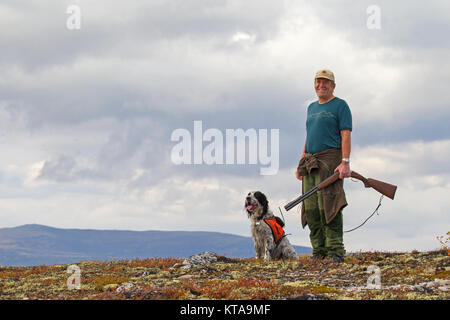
(346, 144)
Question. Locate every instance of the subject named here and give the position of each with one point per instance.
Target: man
(326, 150)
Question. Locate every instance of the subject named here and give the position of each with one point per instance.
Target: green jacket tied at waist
(333, 196)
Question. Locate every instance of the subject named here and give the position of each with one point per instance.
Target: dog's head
(256, 203)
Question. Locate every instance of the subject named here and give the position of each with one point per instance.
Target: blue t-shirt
(324, 123)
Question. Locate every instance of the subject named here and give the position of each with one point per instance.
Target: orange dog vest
(277, 230)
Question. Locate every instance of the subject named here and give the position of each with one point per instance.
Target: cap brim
(323, 77)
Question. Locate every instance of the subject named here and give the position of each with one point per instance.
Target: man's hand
(298, 176)
(344, 170)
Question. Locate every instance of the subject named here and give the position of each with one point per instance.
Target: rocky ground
(365, 275)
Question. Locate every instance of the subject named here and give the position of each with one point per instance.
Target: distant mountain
(34, 244)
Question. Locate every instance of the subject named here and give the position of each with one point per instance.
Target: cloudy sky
(87, 114)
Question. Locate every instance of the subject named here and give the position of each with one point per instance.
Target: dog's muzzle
(249, 205)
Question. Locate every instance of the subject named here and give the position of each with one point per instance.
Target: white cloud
(86, 116)
(403, 160)
(243, 37)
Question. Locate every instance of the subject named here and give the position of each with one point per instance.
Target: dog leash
(286, 234)
(282, 215)
(375, 211)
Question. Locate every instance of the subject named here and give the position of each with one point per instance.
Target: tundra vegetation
(403, 275)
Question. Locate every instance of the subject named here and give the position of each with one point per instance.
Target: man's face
(324, 88)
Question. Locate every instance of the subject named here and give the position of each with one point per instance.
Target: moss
(297, 283)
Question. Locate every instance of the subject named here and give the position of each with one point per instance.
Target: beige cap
(324, 73)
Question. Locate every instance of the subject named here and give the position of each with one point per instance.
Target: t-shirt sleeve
(345, 117)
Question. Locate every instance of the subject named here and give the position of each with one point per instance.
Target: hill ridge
(35, 244)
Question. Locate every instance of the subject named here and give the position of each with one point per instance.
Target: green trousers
(325, 238)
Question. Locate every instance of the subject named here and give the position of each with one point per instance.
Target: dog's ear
(261, 197)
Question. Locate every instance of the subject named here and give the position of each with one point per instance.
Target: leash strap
(376, 211)
(282, 215)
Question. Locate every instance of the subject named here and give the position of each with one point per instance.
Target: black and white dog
(270, 242)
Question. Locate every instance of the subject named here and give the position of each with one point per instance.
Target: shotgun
(382, 187)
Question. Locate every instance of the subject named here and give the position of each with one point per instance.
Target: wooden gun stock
(382, 187)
